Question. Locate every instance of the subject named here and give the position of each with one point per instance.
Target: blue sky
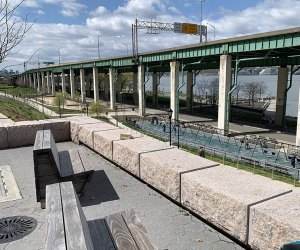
(73, 26)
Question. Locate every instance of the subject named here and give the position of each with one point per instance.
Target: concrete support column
(174, 84)
(63, 82)
(34, 81)
(43, 81)
(48, 82)
(141, 90)
(52, 84)
(282, 81)
(189, 91)
(112, 79)
(106, 86)
(30, 81)
(72, 83)
(82, 86)
(87, 85)
(38, 81)
(224, 88)
(298, 124)
(96, 84)
(135, 88)
(154, 89)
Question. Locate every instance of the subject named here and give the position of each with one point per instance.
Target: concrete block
(163, 169)
(275, 222)
(103, 141)
(60, 129)
(223, 195)
(86, 132)
(3, 137)
(126, 153)
(23, 133)
(75, 123)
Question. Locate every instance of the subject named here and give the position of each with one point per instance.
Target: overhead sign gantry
(156, 27)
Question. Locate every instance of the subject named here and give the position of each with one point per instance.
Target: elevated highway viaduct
(278, 48)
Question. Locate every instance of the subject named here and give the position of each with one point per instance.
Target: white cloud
(31, 3)
(100, 11)
(174, 10)
(71, 8)
(41, 12)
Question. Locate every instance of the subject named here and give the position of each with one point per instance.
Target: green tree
(96, 108)
(60, 99)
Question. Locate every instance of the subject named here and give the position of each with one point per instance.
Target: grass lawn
(17, 91)
(19, 111)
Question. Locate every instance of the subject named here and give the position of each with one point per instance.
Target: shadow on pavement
(99, 190)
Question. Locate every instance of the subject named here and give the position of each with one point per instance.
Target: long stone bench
(86, 132)
(163, 169)
(275, 222)
(126, 153)
(224, 195)
(67, 227)
(51, 166)
(103, 141)
(23, 133)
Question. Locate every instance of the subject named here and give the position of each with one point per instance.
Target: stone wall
(238, 202)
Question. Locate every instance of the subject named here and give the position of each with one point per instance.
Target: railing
(224, 155)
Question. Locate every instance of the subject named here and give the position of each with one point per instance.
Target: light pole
(178, 127)
(170, 112)
(213, 28)
(201, 22)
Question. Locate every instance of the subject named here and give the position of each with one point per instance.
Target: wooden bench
(250, 161)
(51, 166)
(277, 168)
(67, 227)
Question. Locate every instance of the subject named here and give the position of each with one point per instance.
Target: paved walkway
(111, 190)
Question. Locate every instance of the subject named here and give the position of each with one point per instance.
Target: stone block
(223, 194)
(163, 169)
(103, 141)
(75, 123)
(126, 153)
(125, 136)
(23, 133)
(60, 129)
(3, 137)
(275, 222)
(86, 132)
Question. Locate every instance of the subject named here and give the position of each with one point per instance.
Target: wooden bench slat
(77, 164)
(85, 160)
(77, 233)
(66, 164)
(55, 226)
(100, 235)
(47, 139)
(137, 230)
(38, 143)
(120, 233)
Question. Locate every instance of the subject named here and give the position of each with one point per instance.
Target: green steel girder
(276, 45)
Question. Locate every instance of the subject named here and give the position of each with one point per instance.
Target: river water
(269, 80)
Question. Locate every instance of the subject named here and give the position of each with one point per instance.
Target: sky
(69, 30)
